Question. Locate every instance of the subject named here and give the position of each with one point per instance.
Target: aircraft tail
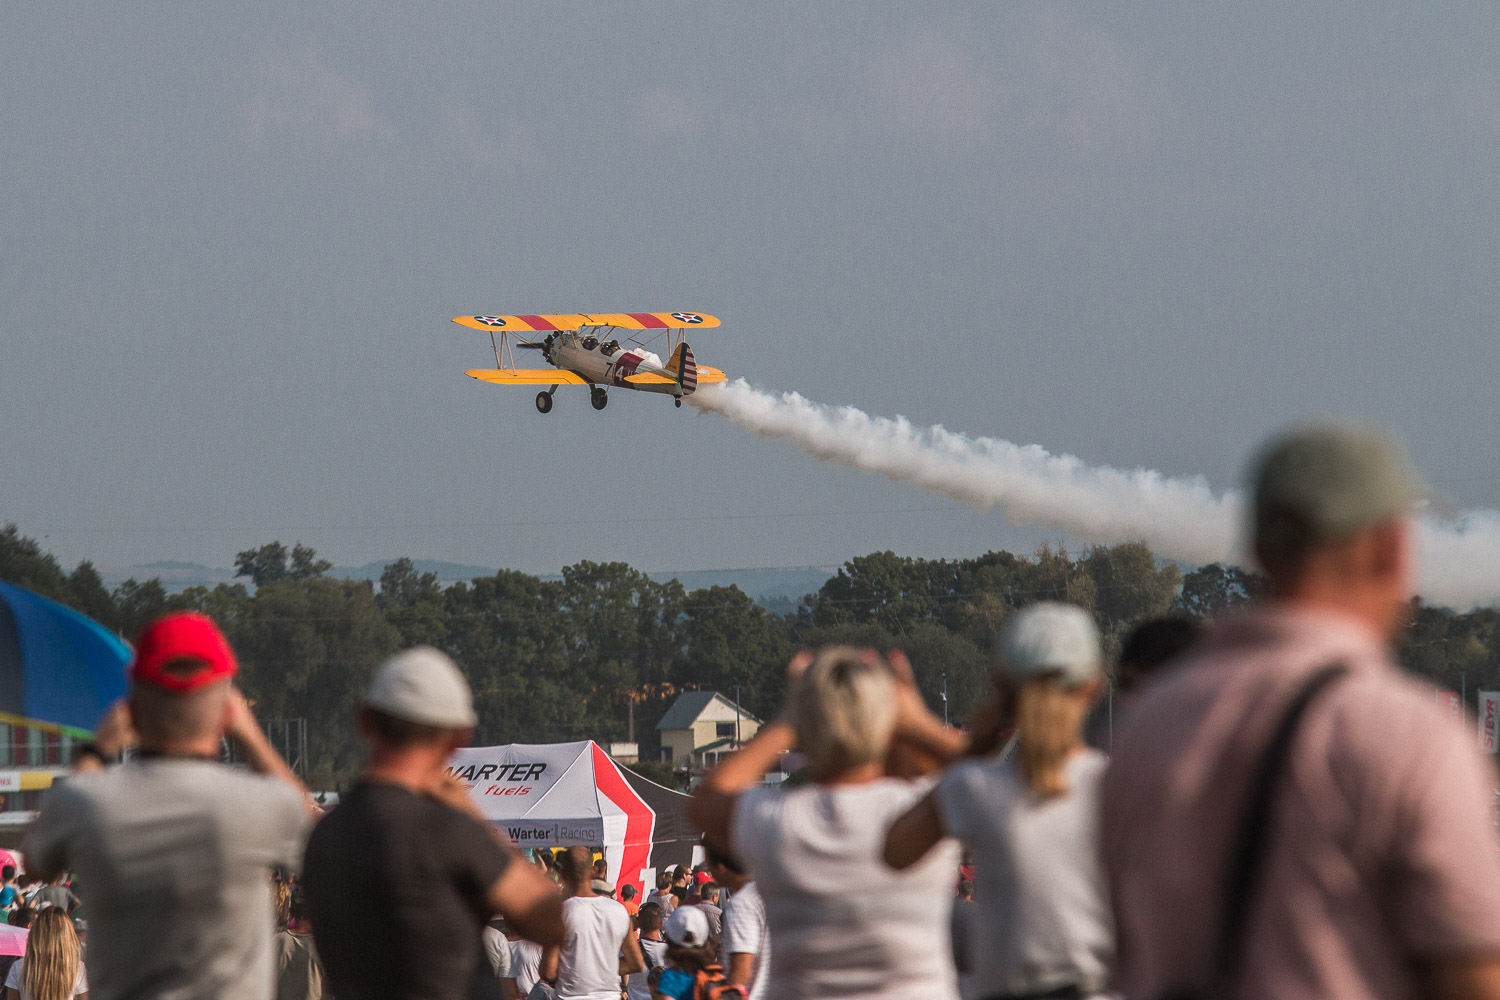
(684, 369)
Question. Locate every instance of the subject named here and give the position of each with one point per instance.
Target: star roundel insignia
(688, 317)
(490, 320)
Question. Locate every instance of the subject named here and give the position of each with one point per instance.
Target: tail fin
(685, 369)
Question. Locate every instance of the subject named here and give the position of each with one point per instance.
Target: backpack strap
(1252, 844)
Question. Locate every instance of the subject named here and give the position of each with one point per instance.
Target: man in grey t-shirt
(175, 850)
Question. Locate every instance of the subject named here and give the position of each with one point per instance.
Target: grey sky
(1143, 234)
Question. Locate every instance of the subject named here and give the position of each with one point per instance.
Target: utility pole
(736, 715)
(945, 699)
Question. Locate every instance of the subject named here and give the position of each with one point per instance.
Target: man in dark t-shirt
(402, 875)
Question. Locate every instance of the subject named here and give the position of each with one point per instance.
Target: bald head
(183, 722)
(1331, 521)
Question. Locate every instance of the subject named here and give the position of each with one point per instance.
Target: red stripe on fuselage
(537, 322)
(647, 320)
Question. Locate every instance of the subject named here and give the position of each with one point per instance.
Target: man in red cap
(174, 849)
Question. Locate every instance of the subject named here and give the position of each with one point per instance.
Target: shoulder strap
(1254, 830)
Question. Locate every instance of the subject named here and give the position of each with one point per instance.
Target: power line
(529, 523)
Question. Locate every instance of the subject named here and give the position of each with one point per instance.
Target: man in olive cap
(1380, 876)
(402, 876)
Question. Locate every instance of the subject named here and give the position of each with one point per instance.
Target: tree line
(602, 653)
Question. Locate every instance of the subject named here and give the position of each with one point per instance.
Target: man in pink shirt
(1380, 876)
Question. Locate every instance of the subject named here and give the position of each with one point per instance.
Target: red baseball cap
(177, 637)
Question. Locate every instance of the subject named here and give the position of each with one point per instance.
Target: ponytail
(1049, 722)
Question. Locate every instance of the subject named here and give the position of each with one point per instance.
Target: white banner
(10, 781)
(1489, 721)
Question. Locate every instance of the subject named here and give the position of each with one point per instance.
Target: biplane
(583, 350)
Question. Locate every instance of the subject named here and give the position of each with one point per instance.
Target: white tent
(561, 794)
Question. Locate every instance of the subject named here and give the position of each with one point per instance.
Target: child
(692, 971)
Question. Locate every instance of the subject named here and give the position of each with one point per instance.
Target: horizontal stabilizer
(707, 375)
(646, 378)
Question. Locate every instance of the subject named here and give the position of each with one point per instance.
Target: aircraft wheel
(677, 402)
(599, 397)
(543, 402)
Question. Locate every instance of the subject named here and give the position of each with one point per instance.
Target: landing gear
(543, 402)
(599, 397)
(677, 402)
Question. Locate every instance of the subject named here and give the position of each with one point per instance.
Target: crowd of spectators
(1283, 814)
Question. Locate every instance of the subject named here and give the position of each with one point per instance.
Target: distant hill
(777, 589)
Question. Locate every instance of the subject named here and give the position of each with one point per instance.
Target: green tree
(413, 602)
(307, 649)
(1211, 589)
(729, 641)
(263, 565)
(23, 563)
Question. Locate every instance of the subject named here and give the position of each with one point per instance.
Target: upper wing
(572, 321)
(653, 321)
(527, 376)
(525, 324)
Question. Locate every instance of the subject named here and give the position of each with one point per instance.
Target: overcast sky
(233, 236)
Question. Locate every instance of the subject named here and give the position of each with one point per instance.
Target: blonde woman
(1041, 910)
(842, 924)
(52, 968)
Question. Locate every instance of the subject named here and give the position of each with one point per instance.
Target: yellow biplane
(583, 351)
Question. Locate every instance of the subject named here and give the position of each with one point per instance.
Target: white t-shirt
(589, 966)
(843, 924)
(747, 933)
(496, 951)
(637, 984)
(525, 964)
(1041, 907)
(13, 979)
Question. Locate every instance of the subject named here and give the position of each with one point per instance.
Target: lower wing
(527, 376)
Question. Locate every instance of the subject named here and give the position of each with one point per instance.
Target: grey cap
(1326, 482)
(423, 685)
(1049, 638)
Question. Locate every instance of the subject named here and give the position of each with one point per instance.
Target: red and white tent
(561, 794)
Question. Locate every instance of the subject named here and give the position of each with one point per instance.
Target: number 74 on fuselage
(584, 349)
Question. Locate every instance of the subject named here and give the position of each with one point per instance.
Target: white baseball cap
(1049, 638)
(423, 685)
(687, 927)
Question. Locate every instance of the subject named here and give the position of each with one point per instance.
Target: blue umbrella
(56, 665)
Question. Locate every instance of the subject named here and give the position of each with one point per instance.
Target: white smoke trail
(1179, 517)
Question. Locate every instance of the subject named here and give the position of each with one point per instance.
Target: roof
(692, 706)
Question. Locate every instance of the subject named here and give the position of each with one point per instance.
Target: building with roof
(702, 726)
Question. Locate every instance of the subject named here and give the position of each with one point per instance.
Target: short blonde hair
(844, 710)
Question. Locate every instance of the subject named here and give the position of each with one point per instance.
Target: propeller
(531, 345)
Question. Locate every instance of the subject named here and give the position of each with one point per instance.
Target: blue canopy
(55, 664)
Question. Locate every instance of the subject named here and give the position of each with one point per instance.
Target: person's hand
(239, 721)
(115, 731)
(987, 725)
(454, 794)
(911, 710)
(796, 667)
